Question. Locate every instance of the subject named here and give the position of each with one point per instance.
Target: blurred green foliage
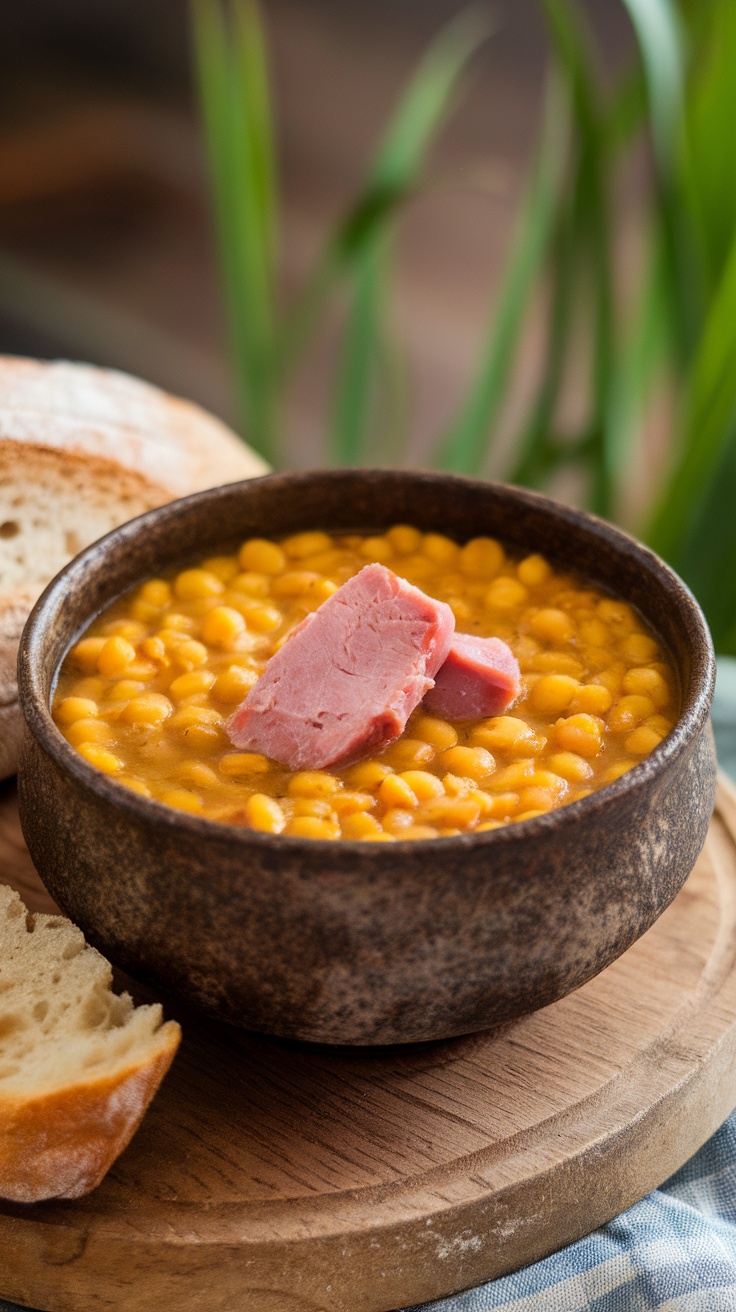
(675, 336)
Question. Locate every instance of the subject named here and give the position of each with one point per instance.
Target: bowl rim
(41, 726)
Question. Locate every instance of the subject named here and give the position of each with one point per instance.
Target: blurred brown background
(106, 248)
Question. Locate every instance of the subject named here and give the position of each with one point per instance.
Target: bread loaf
(81, 451)
(102, 412)
(79, 1064)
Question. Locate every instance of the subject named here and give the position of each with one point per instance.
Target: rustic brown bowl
(349, 942)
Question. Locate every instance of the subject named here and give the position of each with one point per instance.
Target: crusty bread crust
(106, 413)
(61, 1145)
(79, 1064)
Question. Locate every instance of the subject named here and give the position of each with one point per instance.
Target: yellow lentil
(189, 685)
(593, 698)
(642, 741)
(264, 813)
(157, 592)
(124, 689)
(300, 545)
(554, 692)
(629, 711)
(441, 550)
(252, 584)
(115, 656)
(182, 799)
(506, 594)
(150, 708)
(101, 759)
(552, 625)
(234, 684)
(582, 734)
(89, 731)
(189, 655)
(648, 682)
(438, 733)
(193, 584)
(475, 762)
(135, 785)
(222, 626)
(481, 558)
(368, 774)
(395, 791)
(533, 570)
(404, 538)
(346, 803)
(223, 567)
(260, 556)
(396, 818)
(313, 783)
(407, 753)
(422, 784)
(356, 824)
(236, 764)
(75, 708)
(377, 549)
(571, 767)
(263, 619)
(198, 775)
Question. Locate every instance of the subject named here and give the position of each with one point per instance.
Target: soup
(146, 692)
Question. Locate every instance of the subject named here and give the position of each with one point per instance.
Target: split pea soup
(145, 694)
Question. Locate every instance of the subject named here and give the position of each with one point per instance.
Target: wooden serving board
(274, 1177)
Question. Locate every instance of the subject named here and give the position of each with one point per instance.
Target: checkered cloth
(675, 1251)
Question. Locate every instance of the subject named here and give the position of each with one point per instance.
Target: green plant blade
(659, 33)
(705, 555)
(642, 351)
(426, 101)
(232, 79)
(626, 111)
(582, 258)
(395, 172)
(357, 367)
(709, 418)
(258, 125)
(707, 165)
(465, 448)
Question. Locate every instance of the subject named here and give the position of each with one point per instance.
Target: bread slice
(52, 504)
(79, 1064)
(82, 450)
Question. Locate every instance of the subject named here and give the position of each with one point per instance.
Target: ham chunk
(349, 677)
(480, 677)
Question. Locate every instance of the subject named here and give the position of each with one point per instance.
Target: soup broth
(146, 692)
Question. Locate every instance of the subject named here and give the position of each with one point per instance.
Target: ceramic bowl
(349, 942)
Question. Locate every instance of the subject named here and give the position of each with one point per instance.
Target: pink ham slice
(480, 677)
(349, 677)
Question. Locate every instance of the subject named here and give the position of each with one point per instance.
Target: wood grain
(283, 1178)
